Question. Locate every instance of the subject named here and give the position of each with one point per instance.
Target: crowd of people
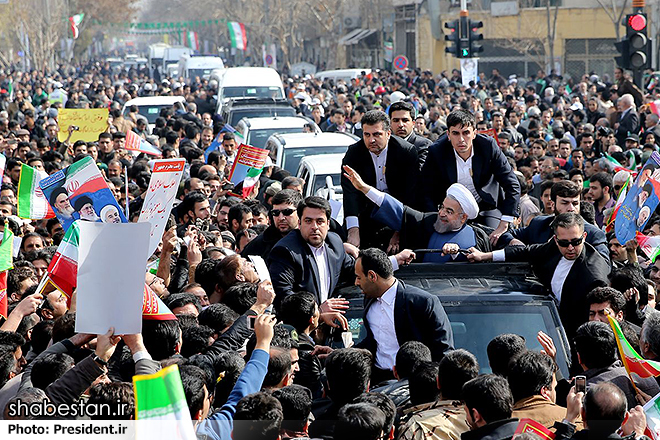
(498, 170)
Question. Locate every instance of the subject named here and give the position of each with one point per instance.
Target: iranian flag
(193, 40)
(237, 34)
(655, 107)
(619, 201)
(32, 204)
(250, 180)
(153, 308)
(633, 362)
(75, 21)
(6, 263)
(136, 143)
(650, 245)
(63, 269)
(160, 396)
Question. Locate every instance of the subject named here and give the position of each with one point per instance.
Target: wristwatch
(100, 361)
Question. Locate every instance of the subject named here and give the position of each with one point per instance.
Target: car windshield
(258, 138)
(319, 182)
(252, 92)
(151, 112)
(292, 156)
(260, 112)
(204, 73)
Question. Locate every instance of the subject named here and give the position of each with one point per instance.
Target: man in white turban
(431, 230)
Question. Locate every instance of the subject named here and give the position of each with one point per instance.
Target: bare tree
(552, 31)
(615, 11)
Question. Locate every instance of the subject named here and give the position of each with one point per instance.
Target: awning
(355, 36)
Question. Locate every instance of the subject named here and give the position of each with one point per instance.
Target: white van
(191, 67)
(156, 53)
(249, 82)
(172, 55)
(344, 74)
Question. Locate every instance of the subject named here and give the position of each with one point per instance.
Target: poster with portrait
(641, 201)
(160, 196)
(79, 191)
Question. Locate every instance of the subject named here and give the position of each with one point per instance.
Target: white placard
(111, 273)
(260, 267)
(161, 193)
(469, 70)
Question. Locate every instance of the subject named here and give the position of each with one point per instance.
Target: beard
(444, 227)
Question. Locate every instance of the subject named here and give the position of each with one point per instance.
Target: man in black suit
(477, 163)
(567, 267)
(395, 313)
(402, 117)
(313, 259)
(628, 119)
(565, 196)
(386, 162)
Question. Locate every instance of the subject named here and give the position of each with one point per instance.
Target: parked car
(150, 106)
(238, 83)
(482, 301)
(287, 150)
(256, 131)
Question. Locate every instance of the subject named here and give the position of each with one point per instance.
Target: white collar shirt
(559, 277)
(321, 258)
(464, 173)
(381, 321)
(379, 165)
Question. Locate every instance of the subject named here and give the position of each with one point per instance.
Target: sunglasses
(566, 243)
(287, 212)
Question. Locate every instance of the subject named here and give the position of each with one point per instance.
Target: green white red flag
(32, 204)
(193, 40)
(6, 263)
(63, 268)
(619, 201)
(75, 22)
(237, 35)
(634, 363)
(649, 245)
(160, 396)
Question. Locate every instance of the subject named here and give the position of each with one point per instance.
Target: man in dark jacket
(476, 162)
(283, 219)
(395, 313)
(402, 116)
(597, 353)
(489, 404)
(385, 162)
(567, 267)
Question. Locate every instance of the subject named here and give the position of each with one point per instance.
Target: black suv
(482, 301)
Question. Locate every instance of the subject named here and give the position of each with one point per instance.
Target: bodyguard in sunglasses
(566, 265)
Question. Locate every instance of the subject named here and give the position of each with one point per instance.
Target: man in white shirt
(395, 313)
(566, 265)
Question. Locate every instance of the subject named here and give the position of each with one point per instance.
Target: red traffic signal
(637, 22)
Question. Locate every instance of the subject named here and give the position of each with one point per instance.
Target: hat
(576, 106)
(397, 96)
(300, 97)
(465, 198)
(22, 132)
(268, 163)
(273, 189)
(633, 137)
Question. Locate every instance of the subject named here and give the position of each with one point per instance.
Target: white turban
(465, 198)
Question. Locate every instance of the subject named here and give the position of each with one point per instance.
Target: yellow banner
(90, 123)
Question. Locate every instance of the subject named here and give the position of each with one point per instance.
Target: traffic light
(453, 37)
(622, 60)
(639, 45)
(475, 37)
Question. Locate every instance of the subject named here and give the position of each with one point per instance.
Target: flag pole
(126, 185)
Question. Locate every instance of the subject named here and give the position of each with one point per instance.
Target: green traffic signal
(465, 53)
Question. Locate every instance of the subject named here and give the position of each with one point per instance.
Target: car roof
(300, 140)
(251, 76)
(275, 122)
(323, 163)
(154, 100)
